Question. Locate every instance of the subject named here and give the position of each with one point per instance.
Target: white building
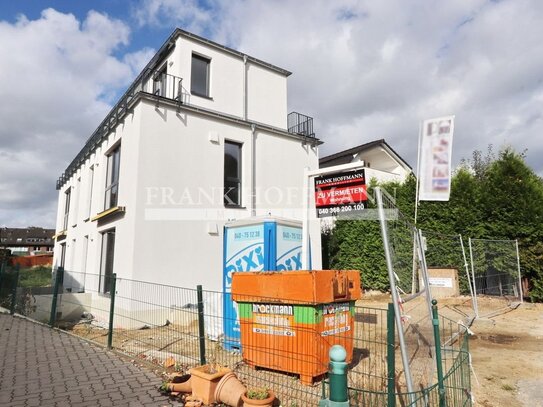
(199, 138)
(380, 161)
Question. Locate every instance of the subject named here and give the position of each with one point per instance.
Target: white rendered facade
(170, 210)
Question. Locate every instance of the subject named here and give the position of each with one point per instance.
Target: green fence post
(339, 393)
(201, 332)
(112, 292)
(58, 279)
(391, 357)
(2, 265)
(437, 339)
(14, 292)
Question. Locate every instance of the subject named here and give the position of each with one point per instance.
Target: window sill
(201, 95)
(108, 212)
(235, 207)
(60, 235)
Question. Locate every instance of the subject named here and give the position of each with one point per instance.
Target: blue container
(256, 244)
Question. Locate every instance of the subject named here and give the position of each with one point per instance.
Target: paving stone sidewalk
(45, 367)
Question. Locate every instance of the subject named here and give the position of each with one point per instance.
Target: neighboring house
(379, 159)
(201, 137)
(27, 241)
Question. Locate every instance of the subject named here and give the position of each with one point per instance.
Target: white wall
(267, 96)
(173, 240)
(127, 134)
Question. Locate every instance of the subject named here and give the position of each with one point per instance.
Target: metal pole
(305, 220)
(58, 279)
(466, 266)
(418, 173)
(339, 393)
(14, 292)
(475, 305)
(519, 276)
(112, 292)
(391, 358)
(201, 332)
(413, 280)
(437, 338)
(394, 293)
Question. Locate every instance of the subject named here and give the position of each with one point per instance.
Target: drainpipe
(245, 67)
(253, 170)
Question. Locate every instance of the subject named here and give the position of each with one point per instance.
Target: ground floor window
(106, 263)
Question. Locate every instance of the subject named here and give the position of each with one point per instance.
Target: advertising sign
(340, 193)
(273, 319)
(336, 318)
(289, 248)
(435, 159)
(244, 251)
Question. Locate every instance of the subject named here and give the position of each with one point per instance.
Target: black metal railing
(149, 81)
(161, 85)
(300, 124)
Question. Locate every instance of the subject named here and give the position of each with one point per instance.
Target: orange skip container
(289, 320)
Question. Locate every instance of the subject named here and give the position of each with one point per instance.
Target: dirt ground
(506, 350)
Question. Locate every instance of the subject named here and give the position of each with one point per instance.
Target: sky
(364, 70)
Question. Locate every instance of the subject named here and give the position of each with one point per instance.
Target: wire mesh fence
(283, 348)
(495, 268)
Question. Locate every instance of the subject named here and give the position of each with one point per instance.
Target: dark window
(112, 179)
(199, 76)
(106, 263)
(232, 174)
(62, 254)
(66, 208)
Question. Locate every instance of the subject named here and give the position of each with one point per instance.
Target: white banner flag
(435, 159)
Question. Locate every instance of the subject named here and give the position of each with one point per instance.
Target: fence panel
(160, 324)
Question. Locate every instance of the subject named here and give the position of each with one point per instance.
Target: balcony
(166, 86)
(300, 124)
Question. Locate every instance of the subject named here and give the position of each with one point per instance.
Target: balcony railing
(162, 85)
(300, 124)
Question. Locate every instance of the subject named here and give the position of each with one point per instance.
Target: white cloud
(187, 14)
(363, 69)
(56, 74)
(368, 69)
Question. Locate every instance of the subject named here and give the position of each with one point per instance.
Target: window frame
(106, 263)
(111, 182)
(228, 203)
(67, 199)
(207, 60)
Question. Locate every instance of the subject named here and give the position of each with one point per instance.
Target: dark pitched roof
(31, 236)
(345, 156)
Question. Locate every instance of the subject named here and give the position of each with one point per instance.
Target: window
(106, 264)
(76, 202)
(89, 192)
(199, 77)
(62, 254)
(67, 195)
(85, 254)
(232, 174)
(112, 178)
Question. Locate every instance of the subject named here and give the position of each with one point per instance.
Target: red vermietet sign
(340, 193)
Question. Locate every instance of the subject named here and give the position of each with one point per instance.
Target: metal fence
(179, 328)
(495, 268)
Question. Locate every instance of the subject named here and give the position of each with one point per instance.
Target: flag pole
(414, 268)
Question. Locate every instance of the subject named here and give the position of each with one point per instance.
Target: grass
(35, 277)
